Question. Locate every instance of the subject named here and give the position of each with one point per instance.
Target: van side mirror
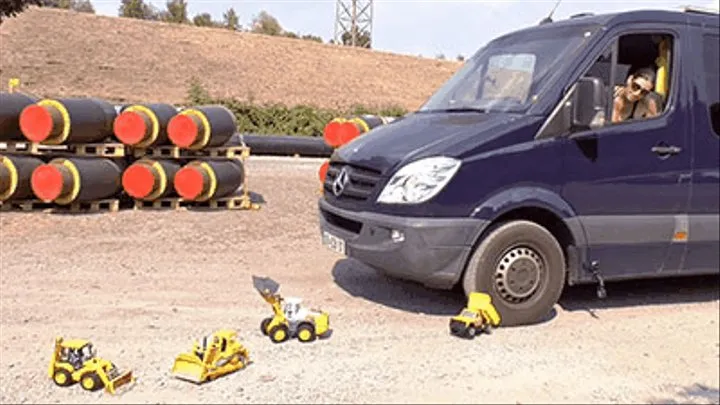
(587, 102)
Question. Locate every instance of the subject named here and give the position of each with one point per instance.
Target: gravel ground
(142, 285)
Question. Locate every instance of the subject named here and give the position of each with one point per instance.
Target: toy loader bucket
(322, 323)
(189, 367)
(482, 302)
(118, 379)
(265, 285)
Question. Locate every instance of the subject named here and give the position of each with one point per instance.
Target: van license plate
(334, 243)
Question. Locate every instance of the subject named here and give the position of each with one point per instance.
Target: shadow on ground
(364, 282)
(696, 394)
(667, 291)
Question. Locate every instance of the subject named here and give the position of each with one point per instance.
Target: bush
(278, 119)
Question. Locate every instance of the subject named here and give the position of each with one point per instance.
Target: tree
(310, 37)
(363, 39)
(11, 8)
(266, 24)
(460, 58)
(177, 11)
(204, 20)
(83, 6)
(231, 20)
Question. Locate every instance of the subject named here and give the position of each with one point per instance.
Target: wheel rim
(88, 383)
(304, 334)
(280, 334)
(60, 378)
(518, 274)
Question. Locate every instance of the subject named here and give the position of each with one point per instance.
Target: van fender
(510, 199)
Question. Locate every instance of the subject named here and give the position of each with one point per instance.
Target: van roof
(687, 15)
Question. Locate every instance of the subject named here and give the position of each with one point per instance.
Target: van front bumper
(431, 251)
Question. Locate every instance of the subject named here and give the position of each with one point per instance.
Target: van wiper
(458, 109)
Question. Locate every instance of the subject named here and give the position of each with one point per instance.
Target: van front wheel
(521, 266)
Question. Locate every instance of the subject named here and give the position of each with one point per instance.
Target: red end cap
(138, 181)
(189, 182)
(347, 132)
(330, 134)
(322, 173)
(182, 130)
(47, 182)
(36, 123)
(130, 128)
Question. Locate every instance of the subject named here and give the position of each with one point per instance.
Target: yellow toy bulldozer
(75, 360)
(290, 318)
(479, 315)
(221, 353)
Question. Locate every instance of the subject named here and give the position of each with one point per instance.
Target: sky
(417, 27)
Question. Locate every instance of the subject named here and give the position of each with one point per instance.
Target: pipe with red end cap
(322, 171)
(204, 126)
(330, 132)
(11, 105)
(68, 121)
(67, 180)
(202, 180)
(15, 173)
(144, 125)
(149, 179)
(356, 126)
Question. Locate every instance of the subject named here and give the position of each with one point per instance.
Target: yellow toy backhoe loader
(75, 361)
(290, 318)
(221, 353)
(479, 315)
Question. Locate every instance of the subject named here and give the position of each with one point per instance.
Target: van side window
(711, 53)
(642, 77)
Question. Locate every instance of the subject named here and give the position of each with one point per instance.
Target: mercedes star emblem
(340, 182)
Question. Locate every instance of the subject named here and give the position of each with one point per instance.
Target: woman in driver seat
(636, 99)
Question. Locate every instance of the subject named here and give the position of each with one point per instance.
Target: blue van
(578, 151)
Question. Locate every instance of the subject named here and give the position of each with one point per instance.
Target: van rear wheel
(521, 266)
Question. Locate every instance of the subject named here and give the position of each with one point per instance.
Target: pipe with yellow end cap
(203, 126)
(144, 125)
(202, 180)
(11, 105)
(68, 121)
(15, 174)
(67, 180)
(149, 179)
(359, 125)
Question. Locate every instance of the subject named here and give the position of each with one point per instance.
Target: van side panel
(703, 253)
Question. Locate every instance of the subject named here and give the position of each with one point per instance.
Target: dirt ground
(128, 60)
(143, 284)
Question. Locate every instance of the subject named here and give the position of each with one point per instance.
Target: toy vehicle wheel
(470, 332)
(279, 333)
(90, 381)
(521, 266)
(306, 332)
(264, 325)
(62, 378)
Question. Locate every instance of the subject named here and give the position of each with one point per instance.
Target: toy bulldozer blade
(190, 368)
(265, 285)
(117, 380)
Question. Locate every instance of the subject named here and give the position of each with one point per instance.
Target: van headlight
(419, 181)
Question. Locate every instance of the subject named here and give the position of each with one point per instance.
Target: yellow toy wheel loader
(291, 319)
(221, 353)
(479, 316)
(76, 360)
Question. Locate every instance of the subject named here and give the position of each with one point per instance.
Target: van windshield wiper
(458, 109)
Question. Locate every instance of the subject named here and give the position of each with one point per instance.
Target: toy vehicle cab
(535, 166)
(220, 353)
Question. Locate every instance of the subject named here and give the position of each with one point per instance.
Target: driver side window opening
(642, 78)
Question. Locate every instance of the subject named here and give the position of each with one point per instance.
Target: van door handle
(664, 150)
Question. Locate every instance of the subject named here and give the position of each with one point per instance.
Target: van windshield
(510, 73)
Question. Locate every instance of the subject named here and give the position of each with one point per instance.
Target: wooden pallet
(82, 149)
(175, 152)
(26, 206)
(109, 205)
(177, 203)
